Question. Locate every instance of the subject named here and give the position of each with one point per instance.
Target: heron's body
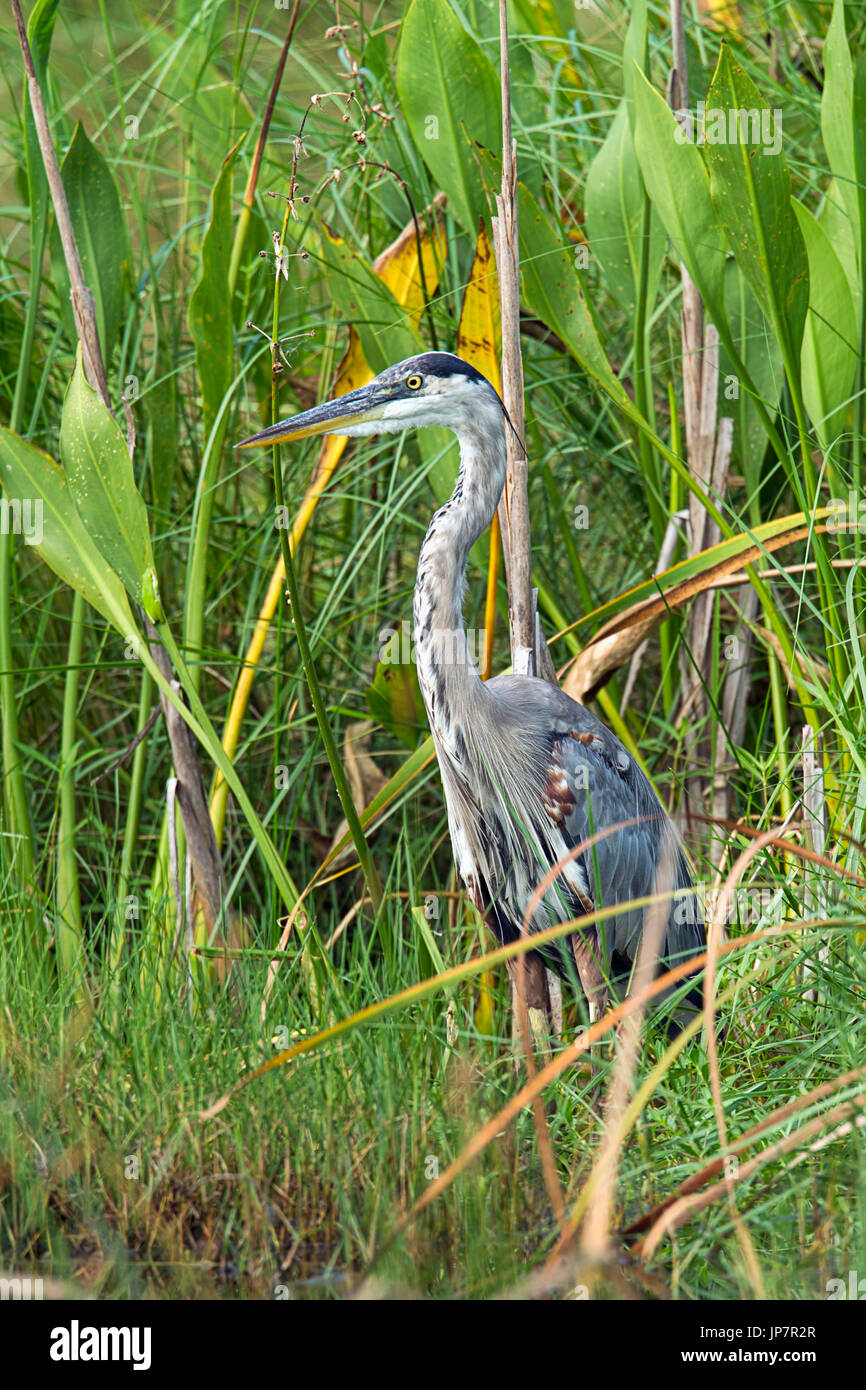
(528, 773)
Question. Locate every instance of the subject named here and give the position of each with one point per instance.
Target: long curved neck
(446, 659)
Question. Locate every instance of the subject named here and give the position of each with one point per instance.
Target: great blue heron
(528, 773)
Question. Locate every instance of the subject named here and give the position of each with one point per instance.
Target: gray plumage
(528, 773)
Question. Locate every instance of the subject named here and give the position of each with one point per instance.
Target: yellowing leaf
(399, 265)
(479, 334)
(722, 14)
(479, 341)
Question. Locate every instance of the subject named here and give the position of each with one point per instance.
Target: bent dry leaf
(630, 618)
(99, 471)
(604, 655)
(366, 779)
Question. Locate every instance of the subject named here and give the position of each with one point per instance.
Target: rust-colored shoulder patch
(557, 797)
(587, 739)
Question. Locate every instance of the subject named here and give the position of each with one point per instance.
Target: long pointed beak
(331, 417)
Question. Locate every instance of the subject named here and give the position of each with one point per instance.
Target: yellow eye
(414, 381)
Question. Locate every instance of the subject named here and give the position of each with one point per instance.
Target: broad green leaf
(100, 233)
(615, 191)
(758, 348)
(40, 29)
(101, 481)
(449, 92)
(552, 289)
(394, 698)
(829, 358)
(614, 204)
(840, 233)
(30, 477)
(750, 187)
(843, 141)
(634, 55)
(209, 317)
(530, 109)
(676, 180)
(859, 122)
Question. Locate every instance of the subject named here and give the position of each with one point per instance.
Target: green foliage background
(112, 1036)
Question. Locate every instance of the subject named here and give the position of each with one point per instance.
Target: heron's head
(434, 388)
